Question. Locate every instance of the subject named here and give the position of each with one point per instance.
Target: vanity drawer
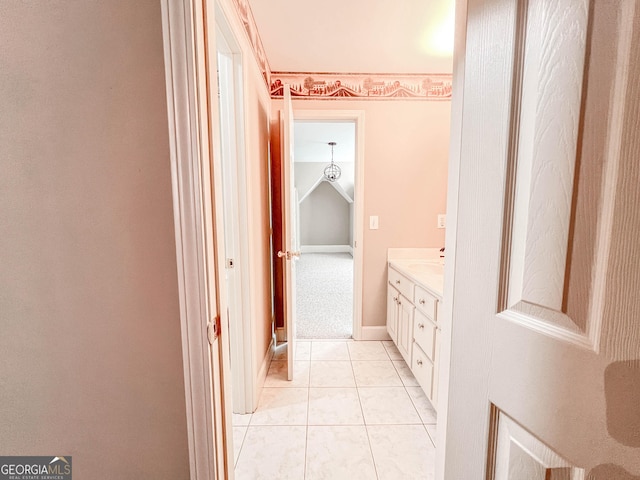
(424, 334)
(422, 369)
(401, 283)
(425, 302)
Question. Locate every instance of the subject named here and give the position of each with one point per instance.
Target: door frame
(243, 377)
(189, 53)
(356, 116)
(445, 316)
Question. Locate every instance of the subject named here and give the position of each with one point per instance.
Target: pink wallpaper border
(362, 86)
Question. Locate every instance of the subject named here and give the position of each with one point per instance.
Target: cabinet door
(392, 313)
(424, 333)
(423, 370)
(436, 369)
(405, 328)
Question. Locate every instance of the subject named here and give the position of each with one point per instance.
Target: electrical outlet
(442, 220)
(373, 222)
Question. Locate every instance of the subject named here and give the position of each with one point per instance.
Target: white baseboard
(326, 249)
(374, 333)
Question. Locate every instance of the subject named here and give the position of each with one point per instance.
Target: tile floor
(353, 411)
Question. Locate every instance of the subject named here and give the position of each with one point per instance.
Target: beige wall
(257, 140)
(90, 349)
(406, 154)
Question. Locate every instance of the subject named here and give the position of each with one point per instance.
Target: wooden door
(290, 254)
(545, 352)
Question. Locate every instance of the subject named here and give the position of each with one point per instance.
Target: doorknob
(288, 254)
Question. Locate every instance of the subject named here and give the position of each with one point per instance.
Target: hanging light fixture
(332, 171)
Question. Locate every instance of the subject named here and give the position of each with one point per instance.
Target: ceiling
(356, 36)
(311, 141)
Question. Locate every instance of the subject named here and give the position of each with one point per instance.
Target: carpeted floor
(324, 288)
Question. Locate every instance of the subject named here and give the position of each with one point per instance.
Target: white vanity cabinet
(392, 313)
(412, 323)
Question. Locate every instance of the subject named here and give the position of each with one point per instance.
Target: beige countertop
(422, 265)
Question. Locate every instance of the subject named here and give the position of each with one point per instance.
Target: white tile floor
(353, 411)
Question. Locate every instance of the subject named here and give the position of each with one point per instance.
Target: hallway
(352, 411)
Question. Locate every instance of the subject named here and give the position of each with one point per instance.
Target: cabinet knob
(397, 282)
(421, 325)
(421, 301)
(419, 362)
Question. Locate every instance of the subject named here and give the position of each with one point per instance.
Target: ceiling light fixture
(332, 171)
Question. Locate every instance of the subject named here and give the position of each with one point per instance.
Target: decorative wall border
(362, 86)
(246, 16)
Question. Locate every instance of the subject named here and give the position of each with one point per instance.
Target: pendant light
(332, 171)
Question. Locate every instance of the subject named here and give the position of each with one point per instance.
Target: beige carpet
(324, 288)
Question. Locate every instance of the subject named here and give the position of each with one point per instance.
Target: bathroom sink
(426, 273)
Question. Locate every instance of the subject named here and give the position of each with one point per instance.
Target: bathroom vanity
(414, 297)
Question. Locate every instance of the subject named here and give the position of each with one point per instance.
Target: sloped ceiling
(356, 36)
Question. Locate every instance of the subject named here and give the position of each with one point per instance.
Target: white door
(290, 254)
(229, 148)
(545, 352)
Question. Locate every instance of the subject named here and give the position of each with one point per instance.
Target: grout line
(415, 407)
(366, 427)
(237, 459)
(433, 442)
(398, 372)
(306, 427)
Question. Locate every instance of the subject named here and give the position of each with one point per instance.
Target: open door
(190, 61)
(290, 253)
(545, 352)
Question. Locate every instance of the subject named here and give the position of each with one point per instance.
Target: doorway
(313, 130)
(324, 179)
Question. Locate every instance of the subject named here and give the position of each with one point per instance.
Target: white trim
(335, 185)
(374, 333)
(358, 222)
(187, 114)
(326, 249)
(544, 327)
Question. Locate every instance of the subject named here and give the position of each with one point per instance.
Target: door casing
(196, 187)
(358, 117)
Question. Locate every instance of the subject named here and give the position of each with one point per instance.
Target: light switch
(373, 222)
(442, 220)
